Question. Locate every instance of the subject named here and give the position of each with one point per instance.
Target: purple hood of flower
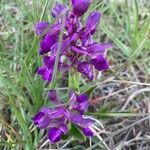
(59, 9)
(80, 6)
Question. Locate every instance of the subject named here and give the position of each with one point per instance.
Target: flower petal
(78, 49)
(85, 36)
(52, 95)
(54, 135)
(58, 113)
(87, 131)
(85, 69)
(63, 128)
(41, 120)
(45, 73)
(92, 21)
(38, 117)
(58, 10)
(47, 42)
(100, 63)
(40, 27)
(82, 98)
(80, 6)
(79, 120)
(49, 61)
(96, 49)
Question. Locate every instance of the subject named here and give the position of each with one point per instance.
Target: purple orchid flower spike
(40, 27)
(59, 9)
(80, 6)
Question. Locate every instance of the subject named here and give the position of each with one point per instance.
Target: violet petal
(63, 128)
(100, 63)
(92, 21)
(96, 49)
(85, 69)
(58, 10)
(40, 27)
(78, 49)
(54, 135)
(52, 95)
(47, 42)
(87, 131)
(80, 6)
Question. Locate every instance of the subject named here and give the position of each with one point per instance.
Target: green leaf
(76, 132)
(74, 79)
(115, 114)
(89, 90)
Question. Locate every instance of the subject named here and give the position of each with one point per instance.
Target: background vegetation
(121, 101)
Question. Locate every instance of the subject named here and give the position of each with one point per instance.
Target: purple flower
(85, 69)
(58, 10)
(54, 135)
(100, 63)
(92, 21)
(77, 42)
(80, 6)
(42, 120)
(52, 95)
(46, 71)
(79, 120)
(57, 119)
(47, 42)
(40, 27)
(97, 49)
(87, 131)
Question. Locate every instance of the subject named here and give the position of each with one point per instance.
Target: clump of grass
(121, 101)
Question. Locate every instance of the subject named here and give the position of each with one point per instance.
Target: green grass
(22, 92)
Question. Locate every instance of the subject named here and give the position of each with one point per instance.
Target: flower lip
(54, 135)
(100, 63)
(87, 131)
